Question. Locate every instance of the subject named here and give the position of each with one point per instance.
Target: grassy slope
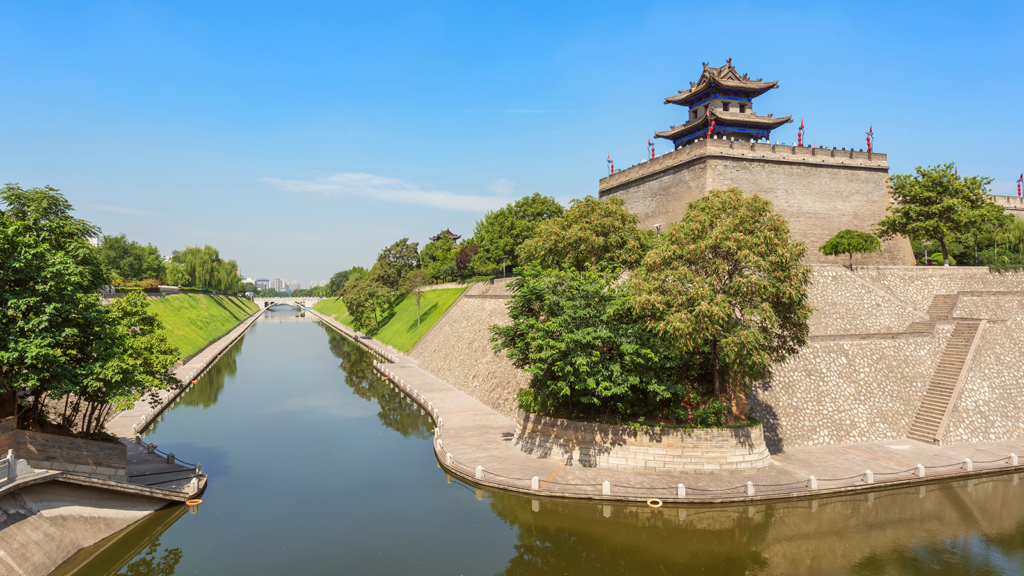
(400, 330)
(191, 321)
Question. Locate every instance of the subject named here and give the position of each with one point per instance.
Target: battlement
(1013, 204)
(737, 149)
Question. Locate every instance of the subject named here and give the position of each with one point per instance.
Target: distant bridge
(304, 301)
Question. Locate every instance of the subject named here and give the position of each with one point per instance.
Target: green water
(316, 467)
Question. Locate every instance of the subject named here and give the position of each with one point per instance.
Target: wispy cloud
(122, 210)
(394, 190)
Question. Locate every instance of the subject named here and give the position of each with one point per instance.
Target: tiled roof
(729, 118)
(722, 77)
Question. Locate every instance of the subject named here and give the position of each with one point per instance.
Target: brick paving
(475, 435)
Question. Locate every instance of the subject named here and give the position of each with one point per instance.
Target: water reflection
(396, 412)
(974, 527)
(307, 490)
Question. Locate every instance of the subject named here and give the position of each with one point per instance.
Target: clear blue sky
(300, 138)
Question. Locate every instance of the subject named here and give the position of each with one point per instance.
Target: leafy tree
(203, 268)
(937, 203)
(592, 232)
(438, 257)
(367, 301)
(412, 284)
(851, 242)
(502, 232)
(726, 284)
(135, 358)
(589, 353)
(337, 282)
(266, 293)
(464, 259)
(49, 281)
(248, 287)
(394, 262)
(128, 259)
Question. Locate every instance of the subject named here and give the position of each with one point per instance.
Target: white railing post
(869, 477)
(479, 472)
(680, 491)
(919, 470)
(535, 483)
(606, 488)
(812, 483)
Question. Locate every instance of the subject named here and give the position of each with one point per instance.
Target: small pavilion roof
(727, 119)
(723, 77)
(447, 232)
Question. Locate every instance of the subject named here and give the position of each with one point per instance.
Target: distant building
(448, 233)
(262, 283)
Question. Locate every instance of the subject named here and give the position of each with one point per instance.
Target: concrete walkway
(152, 469)
(475, 435)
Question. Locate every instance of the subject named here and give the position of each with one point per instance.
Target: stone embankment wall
(846, 304)
(861, 378)
(991, 405)
(457, 349)
(672, 450)
(102, 460)
(848, 391)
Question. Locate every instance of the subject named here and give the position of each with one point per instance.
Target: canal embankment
(477, 443)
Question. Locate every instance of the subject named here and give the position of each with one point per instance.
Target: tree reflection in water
(395, 411)
(147, 564)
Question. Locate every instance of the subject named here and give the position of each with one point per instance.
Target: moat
(316, 466)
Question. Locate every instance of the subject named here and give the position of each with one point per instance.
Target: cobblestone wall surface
(991, 403)
(845, 304)
(915, 285)
(704, 451)
(457, 350)
(847, 392)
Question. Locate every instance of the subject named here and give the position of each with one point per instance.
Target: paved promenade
(152, 468)
(475, 435)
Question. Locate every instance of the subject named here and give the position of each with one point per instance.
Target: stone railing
(648, 449)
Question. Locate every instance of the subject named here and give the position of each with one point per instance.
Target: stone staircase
(942, 305)
(944, 386)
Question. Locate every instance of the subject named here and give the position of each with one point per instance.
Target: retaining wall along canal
(646, 449)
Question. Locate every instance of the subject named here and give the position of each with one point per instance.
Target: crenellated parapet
(1012, 204)
(714, 147)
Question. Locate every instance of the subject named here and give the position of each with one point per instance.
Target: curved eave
(755, 89)
(725, 120)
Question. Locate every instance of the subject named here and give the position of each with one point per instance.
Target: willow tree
(726, 284)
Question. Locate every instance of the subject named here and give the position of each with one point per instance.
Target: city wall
(861, 378)
(818, 191)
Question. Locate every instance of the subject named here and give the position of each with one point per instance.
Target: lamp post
(503, 266)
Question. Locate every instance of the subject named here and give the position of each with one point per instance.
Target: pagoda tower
(722, 100)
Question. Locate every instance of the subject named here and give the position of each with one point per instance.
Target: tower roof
(725, 77)
(724, 119)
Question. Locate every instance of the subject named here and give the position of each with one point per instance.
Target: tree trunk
(975, 250)
(714, 369)
(945, 253)
(418, 310)
(851, 261)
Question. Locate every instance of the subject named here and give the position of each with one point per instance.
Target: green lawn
(191, 321)
(400, 330)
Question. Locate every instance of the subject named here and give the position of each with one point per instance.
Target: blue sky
(301, 138)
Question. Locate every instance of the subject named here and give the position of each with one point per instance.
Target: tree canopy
(939, 204)
(203, 268)
(438, 259)
(601, 234)
(726, 285)
(394, 262)
(129, 260)
(851, 242)
(367, 301)
(56, 339)
(502, 232)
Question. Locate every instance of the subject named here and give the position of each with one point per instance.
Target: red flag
(1019, 182)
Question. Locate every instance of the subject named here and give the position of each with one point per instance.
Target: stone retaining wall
(991, 404)
(101, 460)
(457, 349)
(916, 285)
(673, 450)
(845, 392)
(846, 304)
